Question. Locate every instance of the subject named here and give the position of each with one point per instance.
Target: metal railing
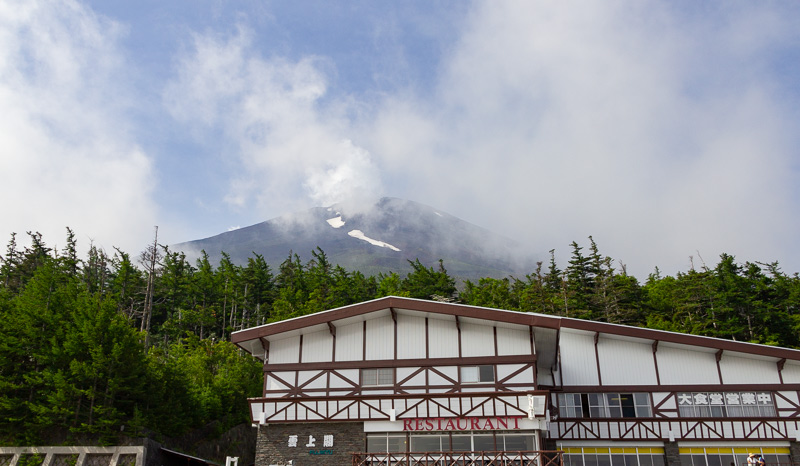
(460, 458)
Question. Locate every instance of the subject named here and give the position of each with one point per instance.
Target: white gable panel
(626, 362)
(578, 361)
(284, 351)
(736, 370)
(677, 366)
(317, 346)
(477, 340)
(791, 372)
(513, 341)
(380, 338)
(350, 342)
(442, 338)
(410, 337)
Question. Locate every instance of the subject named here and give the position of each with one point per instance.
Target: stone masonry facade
(277, 444)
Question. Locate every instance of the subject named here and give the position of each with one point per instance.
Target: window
(726, 404)
(604, 405)
(477, 374)
(382, 376)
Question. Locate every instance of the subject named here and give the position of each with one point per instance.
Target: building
(398, 379)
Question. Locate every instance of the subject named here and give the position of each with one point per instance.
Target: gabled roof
(545, 328)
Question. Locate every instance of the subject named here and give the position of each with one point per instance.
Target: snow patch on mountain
(358, 234)
(336, 222)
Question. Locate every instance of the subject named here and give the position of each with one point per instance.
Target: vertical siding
(350, 342)
(791, 372)
(477, 340)
(683, 367)
(626, 362)
(747, 371)
(317, 346)
(578, 362)
(380, 338)
(512, 341)
(410, 337)
(544, 376)
(442, 338)
(284, 351)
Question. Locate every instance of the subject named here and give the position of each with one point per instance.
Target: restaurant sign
(461, 424)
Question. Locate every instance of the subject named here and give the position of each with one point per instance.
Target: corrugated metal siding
(511, 341)
(380, 338)
(626, 362)
(317, 346)
(350, 342)
(683, 367)
(791, 372)
(284, 351)
(477, 340)
(578, 361)
(410, 337)
(747, 371)
(442, 338)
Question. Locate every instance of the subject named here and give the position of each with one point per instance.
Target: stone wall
(276, 444)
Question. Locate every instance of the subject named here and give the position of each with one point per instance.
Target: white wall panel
(791, 372)
(512, 341)
(442, 338)
(341, 377)
(626, 363)
(578, 361)
(410, 337)
(436, 379)
(404, 372)
(284, 351)
(525, 376)
(786, 400)
(544, 377)
(737, 370)
(350, 342)
(678, 366)
(317, 347)
(275, 384)
(321, 380)
(477, 340)
(380, 338)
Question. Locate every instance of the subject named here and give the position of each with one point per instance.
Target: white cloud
(67, 158)
(293, 145)
(657, 131)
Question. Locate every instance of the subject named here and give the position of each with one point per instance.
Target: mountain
(380, 238)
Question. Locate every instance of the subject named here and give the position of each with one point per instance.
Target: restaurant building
(407, 381)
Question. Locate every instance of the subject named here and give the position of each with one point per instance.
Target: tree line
(110, 345)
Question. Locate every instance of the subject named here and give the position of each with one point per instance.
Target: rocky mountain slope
(381, 238)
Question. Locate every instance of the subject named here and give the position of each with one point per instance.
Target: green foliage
(76, 355)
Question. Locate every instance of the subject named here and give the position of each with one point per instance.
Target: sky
(667, 131)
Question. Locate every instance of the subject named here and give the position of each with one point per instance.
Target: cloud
(658, 129)
(68, 159)
(292, 141)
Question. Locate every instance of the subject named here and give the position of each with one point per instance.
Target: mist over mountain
(376, 238)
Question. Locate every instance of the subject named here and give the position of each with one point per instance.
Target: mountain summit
(380, 238)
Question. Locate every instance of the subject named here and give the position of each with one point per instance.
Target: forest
(93, 348)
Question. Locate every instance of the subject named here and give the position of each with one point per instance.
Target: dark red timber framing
(330, 391)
